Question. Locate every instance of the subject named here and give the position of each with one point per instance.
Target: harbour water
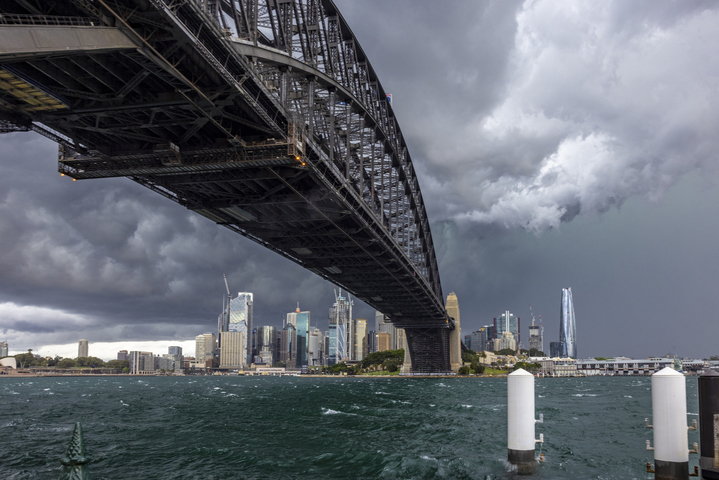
(322, 428)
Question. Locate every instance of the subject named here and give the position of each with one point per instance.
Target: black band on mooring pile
(664, 470)
(522, 459)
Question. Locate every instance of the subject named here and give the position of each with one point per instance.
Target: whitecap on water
(329, 411)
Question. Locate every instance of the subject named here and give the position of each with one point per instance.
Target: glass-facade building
(340, 316)
(507, 322)
(241, 321)
(567, 326)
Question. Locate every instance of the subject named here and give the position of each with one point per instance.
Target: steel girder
(267, 119)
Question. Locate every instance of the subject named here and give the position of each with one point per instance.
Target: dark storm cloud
(112, 257)
(521, 118)
(525, 116)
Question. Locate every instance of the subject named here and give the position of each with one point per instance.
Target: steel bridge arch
(276, 96)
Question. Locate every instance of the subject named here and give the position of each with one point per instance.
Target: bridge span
(264, 116)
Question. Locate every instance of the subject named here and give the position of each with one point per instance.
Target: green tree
(530, 367)
(66, 363)
(279, 365)
(392, 364)
(338, 368)
(469, 356)
(119, 364)
(378, 358)
(126, 370)
(93, 362)
(463, 371)
(506, 351)
(533, 352)
(25, 360)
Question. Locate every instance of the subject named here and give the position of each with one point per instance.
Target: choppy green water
(320, 428)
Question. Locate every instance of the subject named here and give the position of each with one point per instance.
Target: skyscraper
(340, 316)
(455, 336)
(360, 344)
(241, 320)
(205, 345)
(232, 348)
(3, 349)
(266, 340)
(314, 347)
(388, 327)
(301, 322)
(535, 337)
(507, 322)
(567, 326)
(82, 348)
(288, 345)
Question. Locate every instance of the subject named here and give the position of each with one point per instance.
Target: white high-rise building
(341, 330)
(232, 348)
(82, 348)
(205, 345)
(3, 349)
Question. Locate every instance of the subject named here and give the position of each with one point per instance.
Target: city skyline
(594, 171)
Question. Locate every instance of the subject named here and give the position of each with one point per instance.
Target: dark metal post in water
(74, 461)
(709, 425)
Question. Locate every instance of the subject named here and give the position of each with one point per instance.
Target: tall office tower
(175, 355)
(241, 320)
(232, 348)
(455, 336)
(122, 355)
(205, 346)
(371, 341)
(567, 326)
(288, 345)
(3, 349)
(82, 348)
(535, 337)
(340, 316)
(360, 339)
(388, 327)
(555, 349)
(301, 322)
(266, 344)
(314, 347)
(507, 322)
(477, 340)
(383, 341)
(378, 319)
(326, 349)
(491, 335)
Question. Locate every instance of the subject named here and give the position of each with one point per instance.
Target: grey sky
(557, 144)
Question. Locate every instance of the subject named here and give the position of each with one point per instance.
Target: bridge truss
(264, 116)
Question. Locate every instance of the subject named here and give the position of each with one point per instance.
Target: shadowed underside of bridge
(266, 117)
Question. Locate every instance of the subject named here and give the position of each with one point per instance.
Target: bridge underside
(276, 128)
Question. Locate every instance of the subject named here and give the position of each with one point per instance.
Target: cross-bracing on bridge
(265, 117)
